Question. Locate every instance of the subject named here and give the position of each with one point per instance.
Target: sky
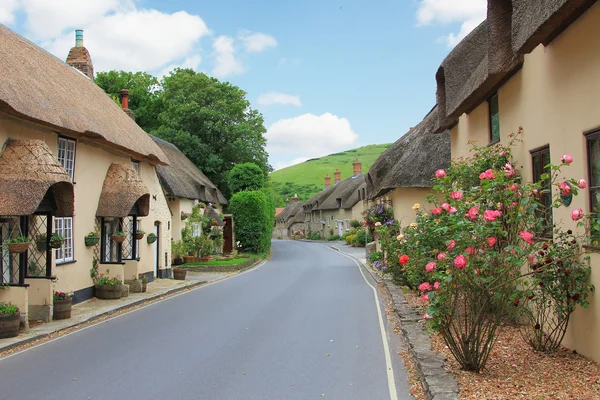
(327, 75)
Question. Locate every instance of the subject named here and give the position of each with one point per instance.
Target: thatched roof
(181, 178)
(317, 199)
(412, 160)
(38, 87)
(28, 169)
(344, 194)
(214, 214)
(298, 218)
(290, 211)
(122, 190)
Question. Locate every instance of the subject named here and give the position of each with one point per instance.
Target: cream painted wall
(179, 205)
(403, 199)
(554, 97)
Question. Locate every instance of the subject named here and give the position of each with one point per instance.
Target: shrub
(246, 176)
(355, 224)
(358, 240)
(253, 218)
(333, 238)
(376, 256)
(8, 309)
(314, 236)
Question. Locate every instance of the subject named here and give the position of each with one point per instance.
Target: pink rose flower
(436, 286)
(492, 241)
(527, 236)
(582, 184)
(446, 206)
(577, 214)
(532, 259)
(436, 211)
(460, 262)
(564, 188)
(472, 213)
(566, 159)
(491, 215)
(452, 210)
(441, 256)
(427, 316)
(482, 176)
(425, 287)
(489, 174)
(425, 298)
(451, 245)
(512, 187)
(456, 195)
(440, 173)
(430, 267)
(508, 170)
(470, 251)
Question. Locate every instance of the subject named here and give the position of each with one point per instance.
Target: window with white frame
(195, 229)
(66, 155)
(347, 222)
(64, 227)
(328, 220)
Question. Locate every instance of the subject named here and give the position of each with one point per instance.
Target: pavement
(304, 325)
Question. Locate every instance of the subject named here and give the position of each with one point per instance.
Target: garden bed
(234, 265)
(515, 371)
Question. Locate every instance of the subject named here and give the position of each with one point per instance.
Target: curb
(438, 384)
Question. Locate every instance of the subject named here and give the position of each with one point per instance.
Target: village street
(305, 325)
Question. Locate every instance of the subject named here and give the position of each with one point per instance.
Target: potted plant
(56, 241)
(108, 288)
(177, 252)
(206, 248)
(62, 303)
(151, 238)
(17, 245)
(179, 273)
(10, 319)
(144, 280)
(92, 239)
(118, 237)
(139, 234)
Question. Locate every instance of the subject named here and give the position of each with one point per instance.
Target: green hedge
(253, 216)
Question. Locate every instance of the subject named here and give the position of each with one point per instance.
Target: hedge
(253, 221)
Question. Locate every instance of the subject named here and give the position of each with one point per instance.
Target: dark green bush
(253, 221)
(355, 224)
(333, 238)
(359, 238)
(376, 256)
(246, 176)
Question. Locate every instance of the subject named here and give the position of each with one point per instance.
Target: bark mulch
(515, 371)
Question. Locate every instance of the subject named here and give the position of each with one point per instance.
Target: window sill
(131, 259)
(493, 142)
(41, 277)
(112, 263)
(58, 264)
(15, 285)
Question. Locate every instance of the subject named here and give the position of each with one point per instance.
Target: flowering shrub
(8, 309)
(466, 256)
(379, 214)
(104, 279)
(62, 295)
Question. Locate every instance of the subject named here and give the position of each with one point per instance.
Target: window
(593, 147)
(64, 227)
(136, 166)
(110, 250)
(130, 246)
(66, 155)
(195, 229)
(328, 221)
(494, 118)
(540, 159)
(347, 222)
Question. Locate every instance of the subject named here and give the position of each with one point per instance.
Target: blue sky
(327, 76)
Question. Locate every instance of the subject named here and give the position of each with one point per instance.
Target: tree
(254, 219)
(246, 176)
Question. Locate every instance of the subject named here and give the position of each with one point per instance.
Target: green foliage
(333, 238)
(376, 256)
(62, 295)
(361, 238)
(18, 239)
(8, 309)
(246, 176)
(204, 245)
(254, 218)
(314, 236)
(355, 224)
(104, 279)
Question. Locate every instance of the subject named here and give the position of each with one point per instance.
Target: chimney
(125, 103)
(287, 201)
(356, 168)
(338, 176)
(327, 180)
(295, 199)
(79, 57)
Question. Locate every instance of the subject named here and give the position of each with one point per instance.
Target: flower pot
(56, 244)
(205, 259)
(41, 245)
(179, 274)
(178, 261)
(118, 239)
(108, 292)
(151, 239)
(62, 309)
(189, 259)
(18, 248)
(9, 325)
(144, 285)
(91, 240)
(139, 236)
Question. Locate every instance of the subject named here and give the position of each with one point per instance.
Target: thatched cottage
(290, 220)
(71, 162)
(534, 65)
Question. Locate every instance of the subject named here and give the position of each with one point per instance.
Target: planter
(179, 274)
(62, 309)
(144, 285)
(204, 259)
(151, 239)
(189, 259)
(18, 248)
(139, 236)
(9, 325)
(118, 239)
(108, 292)
(178, 261)
(91, 240)
(41, 245)
(56, 244)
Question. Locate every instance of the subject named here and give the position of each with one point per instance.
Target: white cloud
(256, 42)
(7, 11)
(279, 98)
(226, 61)
(469, 13)
(310, 135)
(193, 61)
(284, 164)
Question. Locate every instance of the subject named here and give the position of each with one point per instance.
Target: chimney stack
(327, 180)
(295, 199)
(338, 176)
(357, 168)
(79, 57)
(287, 201)
(125, 103)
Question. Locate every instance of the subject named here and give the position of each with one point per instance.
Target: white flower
(400, 237)
(377, 223)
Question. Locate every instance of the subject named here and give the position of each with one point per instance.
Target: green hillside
(308, 178)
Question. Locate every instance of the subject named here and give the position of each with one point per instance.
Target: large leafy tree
(246, 176)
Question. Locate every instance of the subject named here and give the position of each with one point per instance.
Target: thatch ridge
(314, 202)
(346, 191)
(38, 87)
(28, 169)
(181, 178)
(412, 160)
(298, 218)
(122, 189)
(289, 211)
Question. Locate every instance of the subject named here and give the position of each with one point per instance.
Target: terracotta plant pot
(118, 239)
(18, 248)
(91, 240)
(9, 325)
(204, 259)
(189, 259)
(62, 309)
(179, 274)
(108, 292)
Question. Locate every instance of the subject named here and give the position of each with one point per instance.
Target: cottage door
(156, 249)
(341, 228)
(228, 234)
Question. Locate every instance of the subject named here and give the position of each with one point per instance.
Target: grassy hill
(308, 178)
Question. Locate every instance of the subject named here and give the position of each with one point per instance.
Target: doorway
(341, 228)
(228, 234)
(156, 248)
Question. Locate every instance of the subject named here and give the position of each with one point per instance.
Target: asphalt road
(303, 326)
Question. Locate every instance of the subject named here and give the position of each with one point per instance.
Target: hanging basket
(139, 236)
(91, 240)
(152, 238)
(118, 239)
(18, 248)
(56, 244)
(41, 245)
